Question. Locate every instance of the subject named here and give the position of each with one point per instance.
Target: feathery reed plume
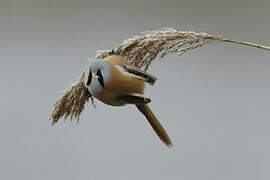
(72, 102)
(141, 51)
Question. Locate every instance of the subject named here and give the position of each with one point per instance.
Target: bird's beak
(94, 75)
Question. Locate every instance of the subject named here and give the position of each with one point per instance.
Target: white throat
(95, 88)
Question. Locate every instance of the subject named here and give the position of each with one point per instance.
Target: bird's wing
(135, 99)
(138, 72)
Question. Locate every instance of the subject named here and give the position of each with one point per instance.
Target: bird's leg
(87, 93)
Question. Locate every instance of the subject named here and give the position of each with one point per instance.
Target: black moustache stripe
(89, 78)
(100, 78)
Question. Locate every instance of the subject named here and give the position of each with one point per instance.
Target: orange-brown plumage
(122, 83)
(119, 83)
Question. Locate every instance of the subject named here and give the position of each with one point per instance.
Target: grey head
(96, 76)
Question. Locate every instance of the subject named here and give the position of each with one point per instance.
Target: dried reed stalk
(141, 51)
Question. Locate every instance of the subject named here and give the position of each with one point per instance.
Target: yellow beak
(94, 75)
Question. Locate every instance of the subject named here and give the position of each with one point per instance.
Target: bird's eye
(89, 78)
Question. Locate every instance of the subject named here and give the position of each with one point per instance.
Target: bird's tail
(152, 119)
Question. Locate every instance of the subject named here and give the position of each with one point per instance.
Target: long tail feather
(152, 119)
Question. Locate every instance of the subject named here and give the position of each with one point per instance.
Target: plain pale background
(213, 101)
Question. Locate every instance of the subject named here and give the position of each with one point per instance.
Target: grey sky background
(213, 101)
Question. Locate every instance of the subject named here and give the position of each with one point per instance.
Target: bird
(116, 82)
